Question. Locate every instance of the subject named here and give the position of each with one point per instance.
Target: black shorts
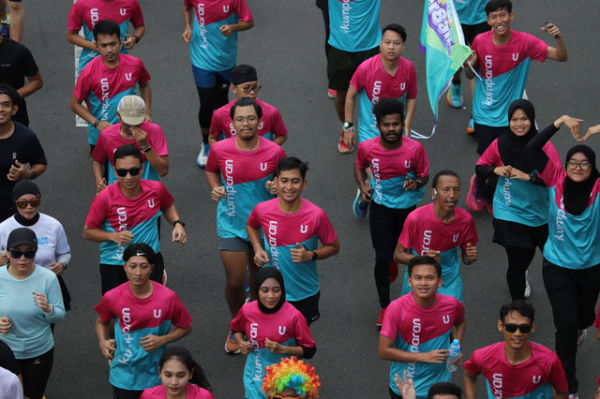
(114, 275)
(342, 64)
(486, 134)
(512, 234)
(470, 31)
(119, 393)
(309, 307)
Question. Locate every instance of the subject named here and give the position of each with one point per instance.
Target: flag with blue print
(443, 43)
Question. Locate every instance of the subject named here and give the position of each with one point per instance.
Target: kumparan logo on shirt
(489, 82)
(94, 17)
(254, 343)
(126, 318)
(425, 246)
(346, 7)
(272, 238)
(105, 87)
(202, 24)
(414, 346)
(497, 385)
(377, 178)
(229, 187)
(122, 217)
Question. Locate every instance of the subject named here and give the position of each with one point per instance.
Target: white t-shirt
(10, 386)
(51, 237)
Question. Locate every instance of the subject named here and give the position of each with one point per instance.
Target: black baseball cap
(21, 236)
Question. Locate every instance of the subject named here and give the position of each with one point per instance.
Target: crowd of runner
(270, 238)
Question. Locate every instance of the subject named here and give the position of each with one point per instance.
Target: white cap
(132, 109)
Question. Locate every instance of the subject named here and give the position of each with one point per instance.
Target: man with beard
(399, 170)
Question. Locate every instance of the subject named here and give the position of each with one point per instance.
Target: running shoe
(343, 148)
(471, 126)
(203, 155)
(454, 96)
(359, 207)
(380, 318)
(581, 334)
(231, 345)
(473, 203)
(573, 396)
(527, 286)
(393, 271)
(5, 28)
(331, 93)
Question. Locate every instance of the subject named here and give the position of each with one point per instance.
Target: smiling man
(438, 230)
(418, 327)
(516, 368)
(292, 227)
(399, 170)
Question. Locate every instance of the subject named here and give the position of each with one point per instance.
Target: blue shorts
(209, 79)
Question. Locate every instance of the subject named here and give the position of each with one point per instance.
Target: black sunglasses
(511, 327)
(29, 254)
(131, 171)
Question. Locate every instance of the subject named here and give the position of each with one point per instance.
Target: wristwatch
(315, 255)
(147, 148)
(348, 125)
(180, 221)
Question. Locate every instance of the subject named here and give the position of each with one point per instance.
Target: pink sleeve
(212, 164)
(558, 377)
(361, 156)
(103, 308)
(238, 324)
(412, 83)
(358, 78)
(552, 174)
(99, 153)
(537, 49)
(158, 141)
(390, 323)
(144, 75)
(470, 235)
(82, 86)
(408, 231)
(422, 169)
(216, 124)
(280, 155)
(278, 127)
(460, 313)
(254, 218)
(243, 11)
(166, 199)
(75, 18)
(491, 156)
(326, 232)
(302, 332)
(188, 4)
(98, 210)
(137, 18)
(473, 365)
(181, 317)
(475, 49)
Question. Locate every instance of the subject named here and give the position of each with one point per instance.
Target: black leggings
(519, 260)
(36, 372)
(211, 98)
(572, 294)
(386, 225)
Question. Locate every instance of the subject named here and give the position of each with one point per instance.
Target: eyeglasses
(585, 165)
(23, 204)
(511, 327)
(250, 89)
(131, 171)
(29, 254)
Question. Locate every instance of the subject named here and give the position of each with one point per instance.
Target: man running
(86, 13)
(126, 212)
(292, 228)
(106, 79)
(516, 367)
(399, 171)
(385, 75)
(239, 172)
(354, 36)
(132, 129)
(418, 327)
(245, 83)
(438, 230)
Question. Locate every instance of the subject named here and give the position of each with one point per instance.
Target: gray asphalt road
(287, 48)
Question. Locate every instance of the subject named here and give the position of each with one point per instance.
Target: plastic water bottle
(453, 354)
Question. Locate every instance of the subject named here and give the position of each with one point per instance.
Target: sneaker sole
(462, 101)
(341, 150)
(355, 207)
(231, 352)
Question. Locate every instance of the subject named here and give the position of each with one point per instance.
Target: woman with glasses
(520, 205)
(274, 329)
(53, 250)
(30, 301)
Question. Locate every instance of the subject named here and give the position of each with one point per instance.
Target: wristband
(137, 39)
(315, 255)
(147, 149)
(96, 123)
(32, 174)
(180, 221)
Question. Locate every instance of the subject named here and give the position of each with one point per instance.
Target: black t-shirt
(7, 359)
(24, 146)
(16, 63)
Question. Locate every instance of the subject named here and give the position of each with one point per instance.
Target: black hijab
(513, 149)
(21, 188)
(577, 195)
(264, 273)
